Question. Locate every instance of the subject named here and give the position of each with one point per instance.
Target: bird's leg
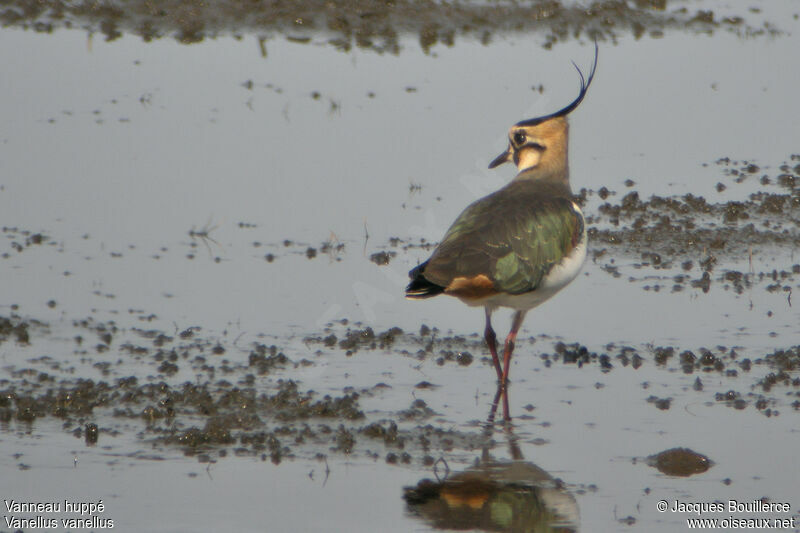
(491, 340)
(508, 349)
(506, 414)
(490, 421)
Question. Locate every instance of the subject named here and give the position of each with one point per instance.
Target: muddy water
(204, 250)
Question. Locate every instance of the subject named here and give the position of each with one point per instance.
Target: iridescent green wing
(513, 236)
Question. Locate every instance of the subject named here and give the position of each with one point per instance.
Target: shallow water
(171, 211)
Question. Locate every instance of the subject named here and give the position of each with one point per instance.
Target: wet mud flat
(158, 394)
(216, 361)
(123, 383)
(681, 235)
(211, 396)
(379, 26)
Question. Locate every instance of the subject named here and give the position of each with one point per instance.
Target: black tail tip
(420, 287)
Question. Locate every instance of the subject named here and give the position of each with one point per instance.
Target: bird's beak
(500, 159)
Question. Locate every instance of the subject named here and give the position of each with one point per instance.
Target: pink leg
(508, 349)
(491, 340)
(502, 394)
(506, 414)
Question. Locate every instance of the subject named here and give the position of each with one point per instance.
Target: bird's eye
(519, 138)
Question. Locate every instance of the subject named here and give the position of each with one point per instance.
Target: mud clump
(288, 404)
(265, 359)
(66, 402)
(358, 339)
(681, 462)
(382, 258)
(263, 441)
(385, 431)
(241, 416)
(463, 358)
(784, 360)
(418, 410)
(580, 355)
(662, 354)
(354, 339)
(732, 399)
(15, 328)
(784, 363)
(21, 239)
(214, 432)
(345, 440)
(661, 403)
(387, 338)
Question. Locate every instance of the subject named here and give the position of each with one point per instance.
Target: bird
(520, 245)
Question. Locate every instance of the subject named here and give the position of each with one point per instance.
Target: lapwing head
(541, 142)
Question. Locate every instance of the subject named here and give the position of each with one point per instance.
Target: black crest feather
(585, 83)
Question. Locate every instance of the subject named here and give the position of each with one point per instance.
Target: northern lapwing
(520, 245)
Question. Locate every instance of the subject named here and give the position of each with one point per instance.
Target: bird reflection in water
(495, 495)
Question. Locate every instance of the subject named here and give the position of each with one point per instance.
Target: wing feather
(513, 236)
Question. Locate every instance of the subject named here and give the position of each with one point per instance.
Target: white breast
(569, 267)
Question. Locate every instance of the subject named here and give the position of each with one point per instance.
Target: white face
(527, 157)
